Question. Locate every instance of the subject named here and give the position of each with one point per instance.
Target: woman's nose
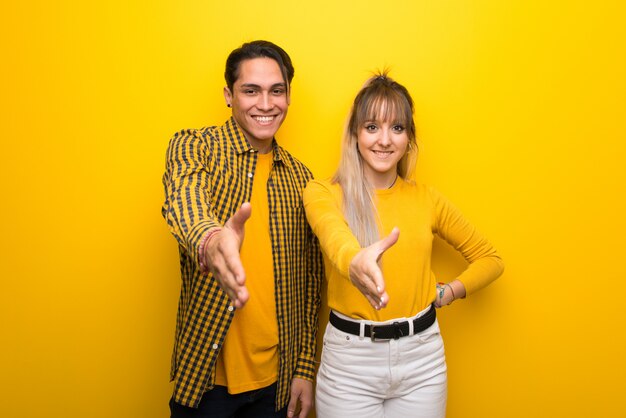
(384, 138)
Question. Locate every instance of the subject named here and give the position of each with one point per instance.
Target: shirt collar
(240, 144)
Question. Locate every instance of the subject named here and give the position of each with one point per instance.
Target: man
(247, 317)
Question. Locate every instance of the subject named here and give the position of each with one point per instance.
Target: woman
(383, 354)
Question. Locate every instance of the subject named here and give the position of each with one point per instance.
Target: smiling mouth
(264, 120)
(382, 154)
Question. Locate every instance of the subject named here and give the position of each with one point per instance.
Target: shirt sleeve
(305, 367)
(326, 218)
(485, 265)
(187, 208)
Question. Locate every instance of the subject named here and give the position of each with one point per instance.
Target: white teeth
(382, 154)
(264, 119)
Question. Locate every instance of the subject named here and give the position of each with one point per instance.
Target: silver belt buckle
(373, 334)
(397, 332)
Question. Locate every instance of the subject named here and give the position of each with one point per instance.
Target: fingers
(242, 297)
(233, 268)
(376, 288)
(222, 256)
(304, 412)
(293, 404)
(231, 283)
(238, 295)
(378, 303)
(370, 282)
(366, 274)
(301, 398)
(380, 298)
(387, 242)
(238, 220)
(225, 264)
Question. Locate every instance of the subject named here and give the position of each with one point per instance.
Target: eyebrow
(393, 121)
(258, 87)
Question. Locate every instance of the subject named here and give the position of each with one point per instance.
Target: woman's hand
(365, 272)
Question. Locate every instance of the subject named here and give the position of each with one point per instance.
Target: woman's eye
(398, 128)
(371, 128)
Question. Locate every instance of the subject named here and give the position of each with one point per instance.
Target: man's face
(259, 100)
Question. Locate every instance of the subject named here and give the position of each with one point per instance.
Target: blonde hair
(380, 99)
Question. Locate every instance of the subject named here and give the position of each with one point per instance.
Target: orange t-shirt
(249, 357)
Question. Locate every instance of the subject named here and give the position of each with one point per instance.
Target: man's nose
(265, 102)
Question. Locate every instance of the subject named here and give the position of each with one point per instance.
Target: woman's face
(382, 144)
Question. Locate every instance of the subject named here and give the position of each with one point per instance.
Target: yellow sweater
(419, 212)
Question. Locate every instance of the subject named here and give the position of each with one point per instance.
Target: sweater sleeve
(323, 211)
(485, 265)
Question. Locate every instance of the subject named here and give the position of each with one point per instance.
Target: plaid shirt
(208, 176)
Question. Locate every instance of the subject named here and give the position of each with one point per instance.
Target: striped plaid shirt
(208, 176)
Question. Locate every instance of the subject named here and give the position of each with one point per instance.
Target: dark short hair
(257, 49)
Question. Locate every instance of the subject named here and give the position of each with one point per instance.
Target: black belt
(391, 331)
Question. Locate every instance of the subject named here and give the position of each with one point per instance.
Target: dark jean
(218, 403)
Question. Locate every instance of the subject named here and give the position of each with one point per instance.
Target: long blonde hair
(381, 99)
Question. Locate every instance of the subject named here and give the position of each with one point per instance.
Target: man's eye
(279, 92)
(249, 92)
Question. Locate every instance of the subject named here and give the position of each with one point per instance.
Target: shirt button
(215, 346)
(250, 175)
(230, 309)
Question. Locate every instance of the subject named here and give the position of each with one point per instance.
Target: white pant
(394, 379)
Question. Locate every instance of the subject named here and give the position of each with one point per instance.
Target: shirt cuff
(305, 369)
(196, 236)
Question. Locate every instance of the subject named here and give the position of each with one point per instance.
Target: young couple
(247, 318)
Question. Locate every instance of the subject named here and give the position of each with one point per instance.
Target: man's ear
(228, 96)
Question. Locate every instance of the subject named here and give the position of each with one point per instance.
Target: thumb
(293, 404)
(387, 242)
(238, 220)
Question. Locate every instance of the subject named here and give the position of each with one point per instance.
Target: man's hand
(301, 397)
(223, 260)
(365, 272)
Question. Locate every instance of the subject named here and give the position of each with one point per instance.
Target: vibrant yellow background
(521, 111)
